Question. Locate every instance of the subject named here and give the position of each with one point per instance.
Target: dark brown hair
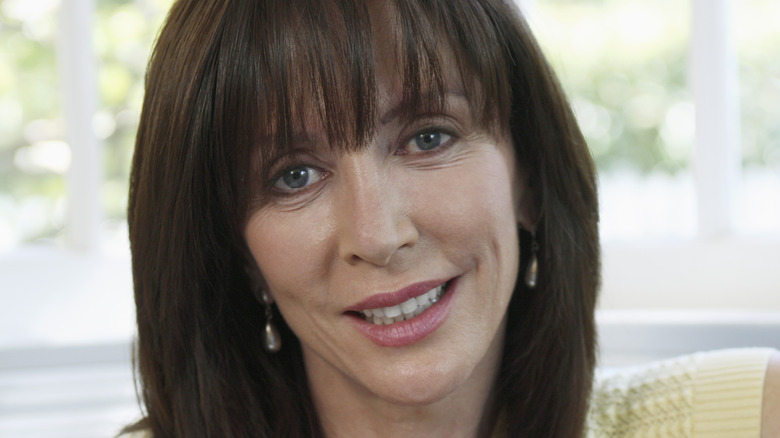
(227, 72)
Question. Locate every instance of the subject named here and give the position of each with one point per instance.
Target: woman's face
(394, 265)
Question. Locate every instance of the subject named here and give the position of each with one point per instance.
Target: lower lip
(403, 333)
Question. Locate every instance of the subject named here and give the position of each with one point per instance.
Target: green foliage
(623, 63)
(758, 43)
(31, 120)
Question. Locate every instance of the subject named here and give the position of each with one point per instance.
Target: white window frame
(715, 85)
(77, 69)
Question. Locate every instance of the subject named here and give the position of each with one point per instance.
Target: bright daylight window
(623, 64)
(680, 104)
(758, 42)
(626, 65)
(33, 117)
(71, 84)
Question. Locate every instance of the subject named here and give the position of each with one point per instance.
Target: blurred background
(679, 101)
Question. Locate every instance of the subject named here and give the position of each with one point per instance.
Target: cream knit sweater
(705, 395)
(711, 395)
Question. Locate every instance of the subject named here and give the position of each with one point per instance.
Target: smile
(407, 310)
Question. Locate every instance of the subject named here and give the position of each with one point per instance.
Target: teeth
(409, 306)
(406, 310)
(392, 312)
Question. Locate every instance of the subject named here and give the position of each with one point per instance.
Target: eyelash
(321, 174)
(442, 132)
(314, 171)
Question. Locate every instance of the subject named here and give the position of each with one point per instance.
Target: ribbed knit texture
(709, 395)
(728, 394)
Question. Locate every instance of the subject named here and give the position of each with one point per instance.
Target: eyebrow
(401, 106)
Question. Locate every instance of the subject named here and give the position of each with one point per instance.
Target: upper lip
(395, 298)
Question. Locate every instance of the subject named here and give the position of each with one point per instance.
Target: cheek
(285, 253)
(476, 199)
(476, 224)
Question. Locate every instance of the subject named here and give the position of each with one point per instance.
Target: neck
(465, 412)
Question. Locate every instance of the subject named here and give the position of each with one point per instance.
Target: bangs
(316, 61)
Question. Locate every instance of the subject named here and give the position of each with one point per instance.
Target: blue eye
(296, 178)
(426, 141)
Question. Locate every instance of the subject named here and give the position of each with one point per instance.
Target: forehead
(334, 66)
(391, 61)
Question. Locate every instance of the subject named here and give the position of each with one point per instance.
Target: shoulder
(771, 400)
(713, 391)
(625, 401)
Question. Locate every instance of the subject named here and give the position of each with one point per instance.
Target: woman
(360, 218)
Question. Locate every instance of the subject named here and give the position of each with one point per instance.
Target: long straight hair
(228, 84)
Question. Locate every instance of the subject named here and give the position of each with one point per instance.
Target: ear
(256, 280)
(525, 202)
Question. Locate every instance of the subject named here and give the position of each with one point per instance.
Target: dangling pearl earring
(533, 264)
(271, 339)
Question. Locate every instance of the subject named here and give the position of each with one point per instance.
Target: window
(758, 57)
(71, 82)
(71, 86)
(639, 73)
(679, 103)
(34, 157)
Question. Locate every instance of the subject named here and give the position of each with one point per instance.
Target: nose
(373, 213)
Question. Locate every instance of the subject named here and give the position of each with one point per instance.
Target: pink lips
(407, 332)
(396, 298)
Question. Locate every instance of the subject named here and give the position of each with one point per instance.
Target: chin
(421, 388)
